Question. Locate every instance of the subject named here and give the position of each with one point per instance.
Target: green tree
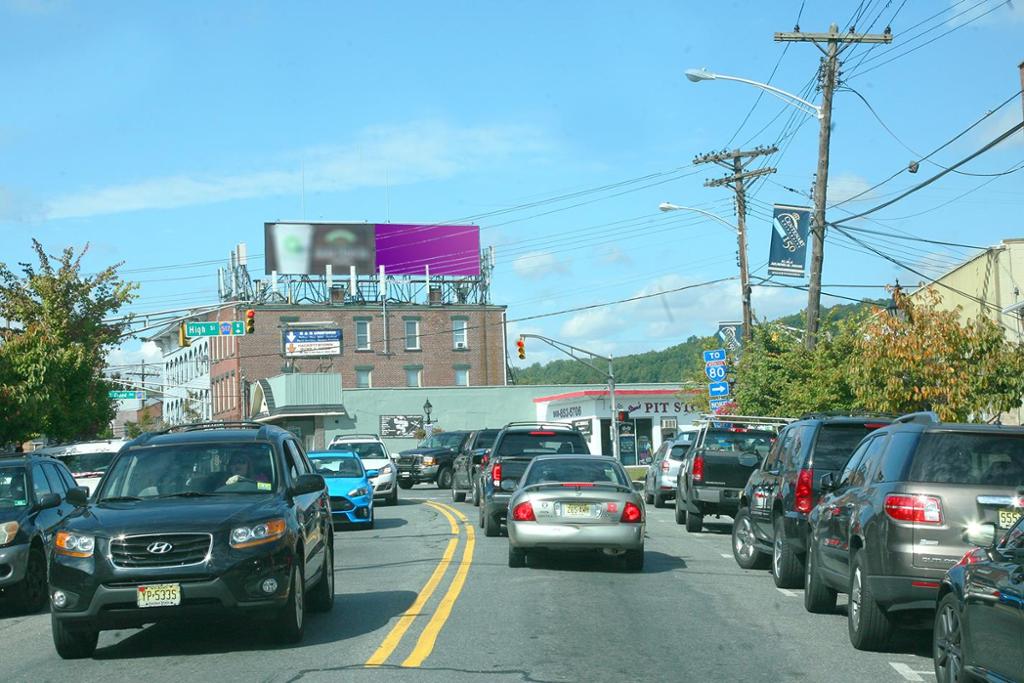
(53, 354)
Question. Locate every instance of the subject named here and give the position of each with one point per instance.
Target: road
(404, 614)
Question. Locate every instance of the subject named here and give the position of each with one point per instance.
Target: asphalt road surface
(417, 602)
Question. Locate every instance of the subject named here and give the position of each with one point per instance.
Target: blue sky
(164, 133)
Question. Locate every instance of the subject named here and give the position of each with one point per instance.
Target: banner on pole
(791, 226)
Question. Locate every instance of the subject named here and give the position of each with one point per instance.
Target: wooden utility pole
(835, 42)
(737, 162)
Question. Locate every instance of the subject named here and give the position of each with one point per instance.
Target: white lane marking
(787, 593)
(908, 673)
(726, 556)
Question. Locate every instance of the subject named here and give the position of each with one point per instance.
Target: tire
(393, 498)
(694, 523)
(648, 498)
(73, 642)
(680, 513)
(458, 496)
(321, 597)
(373, 521)
(31, 594)
(818, 598)
(787, 567)
(516, 557)
(476, 495)
(744, 546)
(947, 641)
(291, 622)
(869, 627)
(444, 478)
(491, 526)
(634, 560)
(659, 501)
(405, 484)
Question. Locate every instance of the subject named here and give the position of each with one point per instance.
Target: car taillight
(496, 473)
(664, 465)
(523, 512)
(971, 556)
(483, 461)
(805, 491)
(916, 509)
(698, 468)
(875, 425)
(631, 513)
(542, 433)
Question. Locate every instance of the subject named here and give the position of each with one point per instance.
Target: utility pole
(835, 43)
(737, 162)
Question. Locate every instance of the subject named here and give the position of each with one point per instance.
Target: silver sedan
(576, 503)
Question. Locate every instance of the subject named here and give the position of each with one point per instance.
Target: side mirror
(981, 535)
(47, 501)
(307, 483)
(370, 474)
(828, 483)
(78, 496)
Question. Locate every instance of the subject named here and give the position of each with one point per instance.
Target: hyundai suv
(772, 518)
(197, 521)
(894, 521)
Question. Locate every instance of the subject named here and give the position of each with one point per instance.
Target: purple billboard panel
(446, 249)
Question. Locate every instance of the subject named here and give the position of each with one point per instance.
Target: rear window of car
(836, 444)
(590, 471)
(969, 458)
(541, 442)
(739, 442)
(87, 463)
(366, 451)
(486, 439)
(678, 452)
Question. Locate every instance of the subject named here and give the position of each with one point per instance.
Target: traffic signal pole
(568, 349)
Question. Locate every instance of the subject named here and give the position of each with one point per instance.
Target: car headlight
(74, 545)
(386, 469)
(264, 532)
(355, 493)
(429, 460)
(8, 530)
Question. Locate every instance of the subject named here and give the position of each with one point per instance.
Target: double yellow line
(428, 637)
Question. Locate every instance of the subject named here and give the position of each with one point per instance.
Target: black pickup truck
(432, 460)
(716, 469)
(468, 463)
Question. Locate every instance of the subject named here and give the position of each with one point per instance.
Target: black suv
(894, 521)
(431, 461)
(469, 462)
(515, 446)
(772, 518)
(33, 489)
(199, 520)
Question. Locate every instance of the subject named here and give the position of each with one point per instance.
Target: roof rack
(846, 413)
(222, 424)
(539, 423)
(746, 419)
(922, 417)
(355, 436)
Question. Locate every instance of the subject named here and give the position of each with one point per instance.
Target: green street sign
(126, 395)
(228, 328)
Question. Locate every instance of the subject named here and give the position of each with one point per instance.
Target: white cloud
(1009, 11)
(843, 186)
(616, 256)
(148, 352)
(999, 124)
(539, 264)
(380, 155)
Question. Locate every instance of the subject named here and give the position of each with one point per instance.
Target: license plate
(159, 595)
(1008, 517)
(405, 475)
(575, 510)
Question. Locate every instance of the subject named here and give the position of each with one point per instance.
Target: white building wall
(186, 379)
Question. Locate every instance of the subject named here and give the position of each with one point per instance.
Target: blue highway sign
(713, 355)
(718, 389)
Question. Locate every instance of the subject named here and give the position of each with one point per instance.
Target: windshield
(13, 492)
(486, 439)
(340, 466)
(191, 469)
(369, 450)
(450, 440)
(542, 442)
(836, 444)
(565, 470)
(678, 452)
(978, 459)
(87, 463)
(739, 442)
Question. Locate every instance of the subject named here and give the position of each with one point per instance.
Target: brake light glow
(924, 584)
(523, 512)
(874, 425)
(664, 465)
(916, 509)
(496, 472)
(698, 468)
(971, 556)
(737, 429)
(542, 433)
(631, 513)
(805, 490)
(483, 460)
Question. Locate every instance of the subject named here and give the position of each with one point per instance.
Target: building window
(462, 375)
(364, 378)
(412, 335)
(414, 376)
(460, 333)
(362, 335)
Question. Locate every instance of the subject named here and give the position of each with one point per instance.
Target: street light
(427, 408)
(667, 206)
(698, 75)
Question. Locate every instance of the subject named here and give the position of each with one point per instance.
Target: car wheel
(818, 598)
(634, 560)
(694, 523)
(680, 512)
(787, 567)
(373, 521)
(291, 622)
(405, 484)
(870, 628)
(458, 496)
(947, 641)
(476, 496)
(491, 526)
(73, 642)
(659, 501)
(516, 557)
(648, 498)
(744, 546)
(321, 597)
(444, 478)
(393, 498)
(31, 594)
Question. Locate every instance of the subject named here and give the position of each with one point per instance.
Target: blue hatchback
(348, 483)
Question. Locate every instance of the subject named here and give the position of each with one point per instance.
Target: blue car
(348, 484)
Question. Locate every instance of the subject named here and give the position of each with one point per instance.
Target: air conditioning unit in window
(460, 345)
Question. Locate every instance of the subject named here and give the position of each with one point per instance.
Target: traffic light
(182, 337)
(250, 321)
(622, 416)
(521, 345)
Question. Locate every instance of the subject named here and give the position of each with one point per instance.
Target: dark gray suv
(894, 521)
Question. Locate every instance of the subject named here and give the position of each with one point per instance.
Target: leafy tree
(148, 422)
(52, 356)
